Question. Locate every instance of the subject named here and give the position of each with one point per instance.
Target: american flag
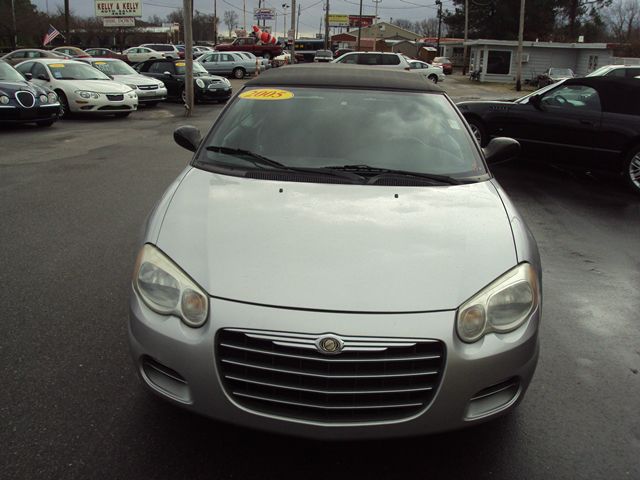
(51, 34)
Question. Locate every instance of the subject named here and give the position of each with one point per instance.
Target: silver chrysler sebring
(337, 261)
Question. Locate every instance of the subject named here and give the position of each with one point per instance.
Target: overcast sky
(312, 10)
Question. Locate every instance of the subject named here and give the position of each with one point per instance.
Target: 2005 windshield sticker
(267, 94)
(54, 67)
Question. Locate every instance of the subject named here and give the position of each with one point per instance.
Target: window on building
(499, 62)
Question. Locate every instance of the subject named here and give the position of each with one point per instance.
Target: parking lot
(74, 198)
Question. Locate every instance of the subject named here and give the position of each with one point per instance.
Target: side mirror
(501, 149)
(536, 101)
(189, 137)
(28, 76)
(43, 77)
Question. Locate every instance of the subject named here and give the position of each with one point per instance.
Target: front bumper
(103, 106)
(220, 93)
(156, 95)
(469, 369)
(18, 114)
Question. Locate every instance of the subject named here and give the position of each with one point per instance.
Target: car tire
(433, 78)
(631, 169)
(64, 104)
(478, 130)
(45, 123)
(238, 73)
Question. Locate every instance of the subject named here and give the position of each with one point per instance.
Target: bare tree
(623, 18)
(402, 23)
(230, 19)
(429, 27)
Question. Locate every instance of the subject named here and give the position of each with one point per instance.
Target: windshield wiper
(377, 172)
(262, 161)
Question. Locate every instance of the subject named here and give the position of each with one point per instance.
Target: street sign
(290, 35)
(338, 20)
(263, 13)
(118, 21)
(118, 9)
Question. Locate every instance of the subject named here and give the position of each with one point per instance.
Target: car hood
(9, 88)
(99, 86)
(337, 247)
(135, 79)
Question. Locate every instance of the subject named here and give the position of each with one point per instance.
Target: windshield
(197, 68)
(8, 74)
(116, 67)
(565, 72)
(75, 71)
(600, 71)
(525, 99)
(416, 132)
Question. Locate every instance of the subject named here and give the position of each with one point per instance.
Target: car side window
(351, 59)
(25, 67)
(18, 55)
(161, 67)
(40, 72)
(227, 58)
(632, 72)
(368, 59)
(390, 60)
(573, 97)
(617, 72)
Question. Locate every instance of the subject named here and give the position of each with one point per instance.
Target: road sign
(118, 9)
(290, 35)
(338, 20)
(263, 13)
(119, 21)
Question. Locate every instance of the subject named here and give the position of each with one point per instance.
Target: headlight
(44, 99)
(167, 290)
(199, 83)
(53, 98)
(160, 85)
(226, 80)
(4, 99)
(502, 306)
(87, 94)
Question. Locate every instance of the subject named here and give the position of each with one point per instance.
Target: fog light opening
(165, 381)
(494, 399)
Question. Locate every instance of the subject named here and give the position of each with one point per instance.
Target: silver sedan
(366, 282)
(227, 63)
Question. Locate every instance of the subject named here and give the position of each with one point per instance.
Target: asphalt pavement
(73, 199)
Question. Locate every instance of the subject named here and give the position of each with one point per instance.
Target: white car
(435, 74)
(166, 49)
(142, 54)
(150, 91)
(81, 88)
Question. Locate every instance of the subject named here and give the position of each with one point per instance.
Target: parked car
(323, 56)
(262, 63)
(149, 90)
(227, 63)
(21, 55)
(323, 344)
(386, 59)
(553, 75)
(142, 54)
(172, 72)
(341, 51)
(167, 50)
(81, 88)
(435, 74)
(181, 49)
(250, 44)
(592, 123)
(445, 63)
(24, 102)
(72, 52)
(105, 53)
(623, 71)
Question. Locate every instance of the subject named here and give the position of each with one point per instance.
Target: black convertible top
(347, 76)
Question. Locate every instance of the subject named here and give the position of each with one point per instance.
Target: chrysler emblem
(329, 345)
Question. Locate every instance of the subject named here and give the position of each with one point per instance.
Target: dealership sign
(119, 22)
(361, 21)
(338, 20)
(263, 13)
(118, 9)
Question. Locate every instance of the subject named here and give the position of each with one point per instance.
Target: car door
(564, 120)
(227, 63)
(165, 71)
(210, 62)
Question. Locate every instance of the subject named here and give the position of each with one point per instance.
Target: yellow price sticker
(101, 63)
(267, 94)
(180, 64)
(56, 65)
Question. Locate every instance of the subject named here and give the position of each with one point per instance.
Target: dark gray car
(18, 56)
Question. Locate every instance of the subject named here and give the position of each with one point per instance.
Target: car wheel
(433, 78)
(64, 104)
(238, 73)
(478, 130)
(632, 169)
(45, 123)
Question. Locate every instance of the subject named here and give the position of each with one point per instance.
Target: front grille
(115, 107)
(26, 99)
(372, 380)
(148, 87)
(115, 98)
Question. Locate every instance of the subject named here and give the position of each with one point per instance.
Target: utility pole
(465, 61)
(293, 31)
(215, 22)
(66, 20)
(359, 26)
(15, 30)
(326, 27)
(375, 21)
(284, 24)
(298, 24)
(187, 12)
(376, 14)
(520, 38)
(439, 4)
